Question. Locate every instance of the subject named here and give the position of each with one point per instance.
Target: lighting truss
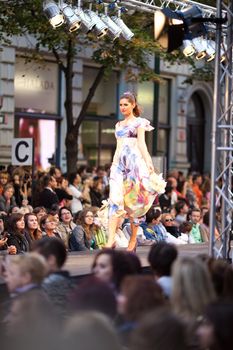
(152, 5)
(222, 140)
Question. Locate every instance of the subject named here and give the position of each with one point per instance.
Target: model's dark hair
(132, 99)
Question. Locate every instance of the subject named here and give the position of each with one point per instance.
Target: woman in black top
(16, 233)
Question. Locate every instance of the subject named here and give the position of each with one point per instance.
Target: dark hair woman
(16, 233)
(83, 235)
(32, 230)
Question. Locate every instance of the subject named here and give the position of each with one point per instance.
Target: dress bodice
(130, 131)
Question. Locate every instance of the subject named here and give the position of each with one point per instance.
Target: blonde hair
(31, 263)
(192, 287)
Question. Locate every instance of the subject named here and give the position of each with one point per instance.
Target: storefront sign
(22, 151)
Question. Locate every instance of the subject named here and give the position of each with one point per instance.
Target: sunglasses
(167, 220)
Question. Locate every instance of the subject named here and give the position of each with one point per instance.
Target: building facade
(33, 106)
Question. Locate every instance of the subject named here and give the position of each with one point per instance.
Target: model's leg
(133, 239)
(112, 228)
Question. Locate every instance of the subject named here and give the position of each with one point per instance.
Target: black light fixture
(186, 29)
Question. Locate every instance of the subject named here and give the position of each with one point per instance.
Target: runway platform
(79, 264)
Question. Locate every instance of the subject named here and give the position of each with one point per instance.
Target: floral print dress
(131, 192)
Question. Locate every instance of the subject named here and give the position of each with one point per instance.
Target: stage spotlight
(53, 13)
(200, 47)
(114, 31)
(210, 50)
(86, 22)
(73, 22)
(99, 28)
(126, 33)
(173, 28)
(188, 49)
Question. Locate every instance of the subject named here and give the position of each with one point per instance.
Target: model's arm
(143, 149)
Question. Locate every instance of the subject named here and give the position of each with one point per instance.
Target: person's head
(86, 217)
(31, 222)
(112, 266)
(25, 269)
(92, 330)
(65, 215)
(181, 207)
(173, 182)
(197, 179)
(53, 250)
(195, 216)
(49, 181)
(55, 171)
(40, 212)
(206, 219)
(161, 257)
(160, 329)
(215, 332)
(192, 287)
(167, 219)
(153, 216)
(2, 223)
(15, 223)
(74, 179)
(222, 277)
(129, 105)
(185, 227)
(48, 223)
(8, 191)
(138, 295)
(4, 176)
(92, 294)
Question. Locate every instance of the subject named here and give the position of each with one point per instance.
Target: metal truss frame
(222, 140)
(222, 119)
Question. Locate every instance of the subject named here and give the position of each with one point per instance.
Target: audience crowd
(74, 208)
(179, 302)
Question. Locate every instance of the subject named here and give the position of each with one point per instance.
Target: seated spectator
(185, 232)
(222, 277)
(57, 284)
(93, 294)
(199, 233)
(83, 235)
(196, 187)
(4, 177)
(63, 192)
(138, 295)
(40, 212)
(7, 199)
(206, 226)
(3, 237)
(165, 199)
(75, 189)
(48, 197)
(181, 209)
(96, 192)
(48, 224)
(111, 266)
(32, 229)
(65, 225)
(150, 227)
(24, 273)
(91, 330)
(16, 233)
(215, 332)
(170, 225)
(161, 258)
(192, 291)
(160, 330)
